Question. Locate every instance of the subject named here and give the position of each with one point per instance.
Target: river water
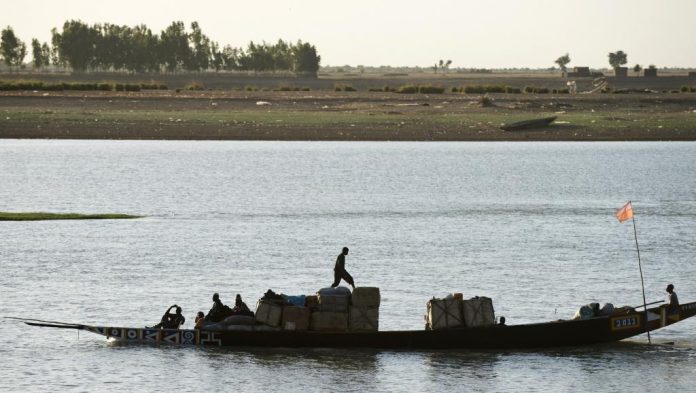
(528, 224)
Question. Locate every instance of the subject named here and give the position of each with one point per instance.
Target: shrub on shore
(153, 86)
(76, 86)
(291, 88)
(194, 86)
(343, 87)
(424, 89)
(485, 89)
(536, 90)
(428, 89)
(385, 89)
(407, 89)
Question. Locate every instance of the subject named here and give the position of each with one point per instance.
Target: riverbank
(330, 115)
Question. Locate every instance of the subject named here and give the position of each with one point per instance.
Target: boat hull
(540, 335)
(528, 124)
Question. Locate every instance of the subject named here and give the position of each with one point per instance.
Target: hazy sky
(472, 33)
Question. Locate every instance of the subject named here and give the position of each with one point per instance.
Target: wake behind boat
(600, 329)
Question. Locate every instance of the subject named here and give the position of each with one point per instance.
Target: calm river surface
(528, 224)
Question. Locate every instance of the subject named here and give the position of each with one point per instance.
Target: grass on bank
(21, 85)
(39, 216)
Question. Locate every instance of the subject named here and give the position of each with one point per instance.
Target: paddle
(648, 304)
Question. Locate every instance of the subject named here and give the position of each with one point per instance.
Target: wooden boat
(538, 335)
(528, 124)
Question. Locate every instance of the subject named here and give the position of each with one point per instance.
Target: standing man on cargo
(340, 270)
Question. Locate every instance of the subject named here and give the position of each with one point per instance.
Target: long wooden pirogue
(537, 335)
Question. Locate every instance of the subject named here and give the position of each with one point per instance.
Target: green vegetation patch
(21, 85)
(39, 216)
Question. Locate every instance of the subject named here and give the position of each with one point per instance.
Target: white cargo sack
(444, 313)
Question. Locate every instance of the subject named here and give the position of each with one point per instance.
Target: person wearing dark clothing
(673, 300)
(200, 318)
(219, 311)
(240, 308)
(340, 270)
(171, 320)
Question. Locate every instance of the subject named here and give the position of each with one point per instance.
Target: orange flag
(625, 213)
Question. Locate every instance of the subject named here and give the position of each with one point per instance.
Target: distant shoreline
(327, 115)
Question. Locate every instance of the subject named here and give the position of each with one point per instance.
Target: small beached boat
(595, 330)
(528, 124)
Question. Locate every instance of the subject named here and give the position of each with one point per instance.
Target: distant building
(692, 75)
(579, 72)
(621, 72)
(650, 72)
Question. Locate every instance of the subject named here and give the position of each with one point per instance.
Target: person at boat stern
(340, 270)
(672, 300)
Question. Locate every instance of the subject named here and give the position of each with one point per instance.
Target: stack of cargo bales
(312, 302)
(444, 314)
(364, 310)
(478, 311)
(295, 318)
(329, 321)
(334, 299)
(332, 311)
(268, 313)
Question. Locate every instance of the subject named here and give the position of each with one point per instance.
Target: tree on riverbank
(617, 59)
(108, 47)
(636, 69)
(41, 54)
(562, 63)
(12, 49)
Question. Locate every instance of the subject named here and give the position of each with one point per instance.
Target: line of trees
(616, 60)
(109, 47)
(12, 49)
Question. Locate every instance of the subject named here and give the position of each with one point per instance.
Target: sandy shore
(328, 115)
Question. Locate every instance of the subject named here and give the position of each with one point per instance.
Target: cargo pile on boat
(455, 312)
(329, 310)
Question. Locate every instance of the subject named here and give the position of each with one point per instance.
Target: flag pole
(642, 284)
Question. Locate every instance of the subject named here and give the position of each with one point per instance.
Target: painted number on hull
(625, 323)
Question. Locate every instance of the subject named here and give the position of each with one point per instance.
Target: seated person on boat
(240, 308)
(171, 320)
(673, 300)
(200, 318)
(219, 311)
